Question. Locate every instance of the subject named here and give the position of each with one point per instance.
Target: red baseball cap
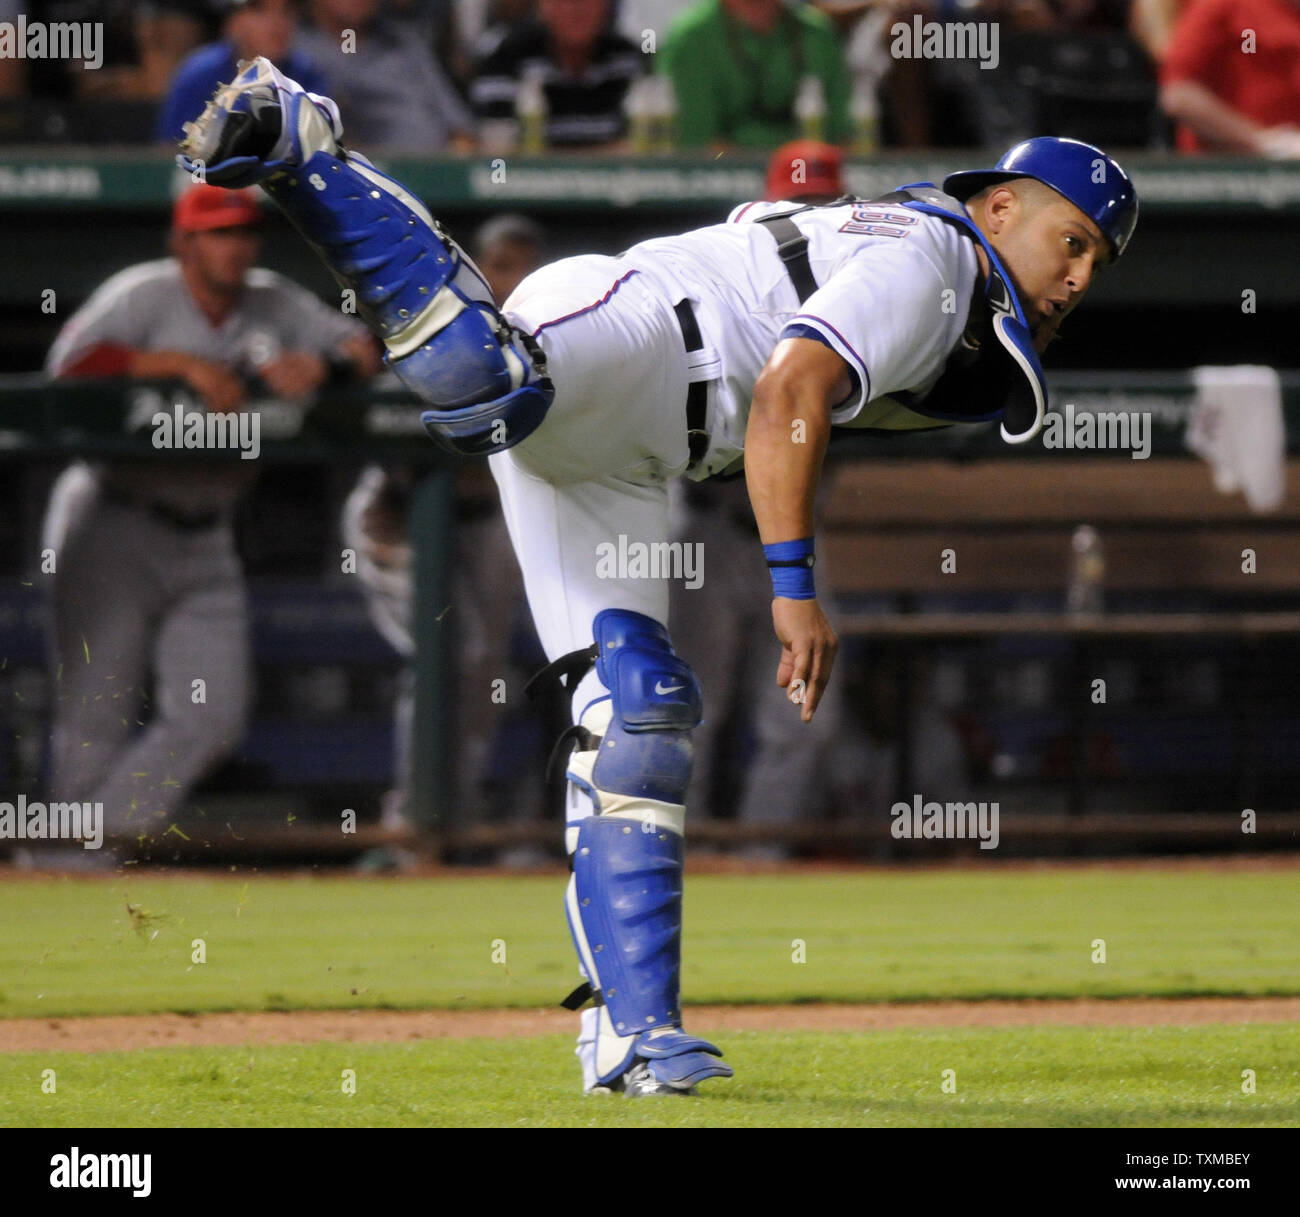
(203, 208)
(804, 167)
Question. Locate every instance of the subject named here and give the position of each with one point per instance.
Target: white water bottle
(1085, 596)
(665, 114)
(636, 106)
(530, 106)
(810, 108)
(864, 110)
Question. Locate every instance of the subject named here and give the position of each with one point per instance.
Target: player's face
(574, 22)
(223, 256)
(1053, 253)
(505, 264)
(350, 12)
(262, 28)
(760, 15)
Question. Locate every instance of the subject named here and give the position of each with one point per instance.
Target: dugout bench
(1173, 580)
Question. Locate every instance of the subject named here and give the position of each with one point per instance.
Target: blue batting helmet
(1091, 180)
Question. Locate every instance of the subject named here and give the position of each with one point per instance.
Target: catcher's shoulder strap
(792, 249)
(792, 244)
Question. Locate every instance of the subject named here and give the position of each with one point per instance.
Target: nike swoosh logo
(659, 688)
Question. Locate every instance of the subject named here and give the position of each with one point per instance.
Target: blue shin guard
(625, 898)
(416, 288)
(378, 240)
(484, 381)
(628, 883)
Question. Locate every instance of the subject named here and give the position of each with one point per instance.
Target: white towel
(1236, 424)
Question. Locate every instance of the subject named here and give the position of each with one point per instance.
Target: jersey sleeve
(741, 210)
(111, 316)
(884, 314)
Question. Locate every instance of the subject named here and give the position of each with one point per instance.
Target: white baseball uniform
(895, 288)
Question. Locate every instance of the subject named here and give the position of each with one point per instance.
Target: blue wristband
(790, 564)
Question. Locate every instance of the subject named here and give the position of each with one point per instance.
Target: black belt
(792, 248)
(173, 517)
(697, 393)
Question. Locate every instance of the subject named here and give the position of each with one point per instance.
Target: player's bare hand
(219, 387)
(808, 646)
(294, 374)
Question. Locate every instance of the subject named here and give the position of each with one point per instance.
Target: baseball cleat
(258, 125)
(639, 1083)
(670, 1062)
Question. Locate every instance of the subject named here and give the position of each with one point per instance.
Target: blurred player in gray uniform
(147, 580)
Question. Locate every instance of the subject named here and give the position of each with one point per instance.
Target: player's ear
(1001, 206)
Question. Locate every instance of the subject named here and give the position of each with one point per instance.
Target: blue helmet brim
(967, 182)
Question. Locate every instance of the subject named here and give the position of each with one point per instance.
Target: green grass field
(1061, 1077)
(72, 947)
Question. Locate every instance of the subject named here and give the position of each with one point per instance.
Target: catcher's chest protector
(993, 373)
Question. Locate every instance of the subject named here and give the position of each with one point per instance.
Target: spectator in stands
(1044, 82)
(902, 85)
(507, 249)
(250, 28)
(585, 70)
(737, 67)
(140, 43)
(479, 21)
(147, 580)
(391, 91)
(1226, 95)
(166, 32)
(1151, 22)
(441, 25)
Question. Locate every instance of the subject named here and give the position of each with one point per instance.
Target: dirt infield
(119, 1033)
(701, 862)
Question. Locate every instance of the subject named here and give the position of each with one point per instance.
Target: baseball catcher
(602, 378)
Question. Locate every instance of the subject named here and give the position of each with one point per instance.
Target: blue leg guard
(377, 239)
(625, 898)
(422, 294)
(417, 289)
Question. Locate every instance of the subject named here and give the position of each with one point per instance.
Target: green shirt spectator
(736, 66)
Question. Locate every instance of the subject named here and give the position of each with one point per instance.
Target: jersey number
(870, 220)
